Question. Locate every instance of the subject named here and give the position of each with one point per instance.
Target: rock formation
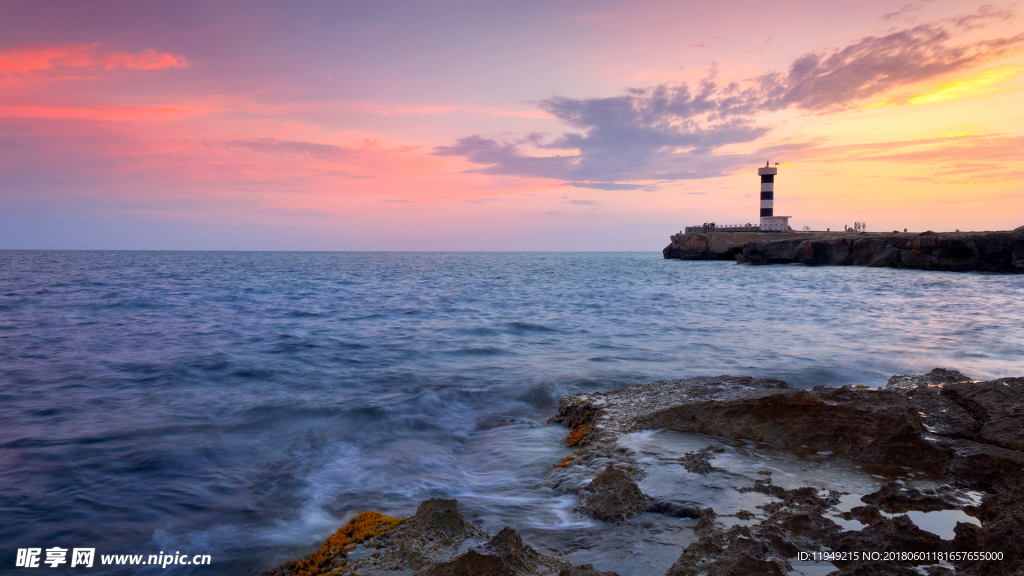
(503, 555)
(717, 245)
(969, 433)
(612, 497)
(951, 251)
(427, 544)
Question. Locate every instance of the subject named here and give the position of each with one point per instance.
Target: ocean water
(243, 405)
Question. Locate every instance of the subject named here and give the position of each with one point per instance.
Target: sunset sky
(463, 125)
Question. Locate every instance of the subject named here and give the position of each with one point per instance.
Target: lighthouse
(769, 221)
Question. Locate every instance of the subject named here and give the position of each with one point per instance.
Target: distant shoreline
(948, 251)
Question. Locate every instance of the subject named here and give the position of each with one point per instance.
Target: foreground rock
(333, 555)
(1002, 529)
(612, 497)
(427, 544)
(971, 434)
(796, 523)
(585, 570)
(503, 555)
(699, 462)
(951, 251)
(967, 432)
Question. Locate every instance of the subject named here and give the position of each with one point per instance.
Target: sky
(465, 125)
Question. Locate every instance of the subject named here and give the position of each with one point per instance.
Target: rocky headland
(962, 442)
(950, 251)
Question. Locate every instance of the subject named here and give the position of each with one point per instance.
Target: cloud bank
(670, 132)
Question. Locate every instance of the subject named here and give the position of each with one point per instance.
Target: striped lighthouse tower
(769, 221)
(767, 195)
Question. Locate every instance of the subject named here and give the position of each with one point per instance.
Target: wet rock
(938, 571)
(765, 487)
(883, 534)
(979, 465)
(937, 377)
(585, 570)
(935, 422)
(758, 549)
(699, 461)
(606, 415)
(434, 534)
(509, 546)
(427, 544)
(896, 499)
(864, 514)
(705, 521)
(1002, 531)
(870, 425)
(876, 569)
(898, 534)
(969, 433)
(747, 562)
(472, 563)
(442, 521)
(504, 555)
(612, 497)
(798, 530)
(673, 509)
(578, 417)
(796, 523)
(939, 414)
(998, 406)
(734, 551)
(979, 425)
(332, 556)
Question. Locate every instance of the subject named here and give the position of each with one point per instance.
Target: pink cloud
(104, 113)
(47, 57)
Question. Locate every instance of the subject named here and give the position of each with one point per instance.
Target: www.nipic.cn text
(86, 558)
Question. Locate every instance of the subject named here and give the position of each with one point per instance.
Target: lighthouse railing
(723, 228)
(772, 227)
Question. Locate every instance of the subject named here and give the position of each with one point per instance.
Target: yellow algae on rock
(565, 461)
(332, 553)
(578, 436)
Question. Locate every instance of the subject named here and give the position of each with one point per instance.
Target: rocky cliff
(718, 245)
(952, 251)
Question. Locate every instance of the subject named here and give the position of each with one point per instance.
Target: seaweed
(332, 554)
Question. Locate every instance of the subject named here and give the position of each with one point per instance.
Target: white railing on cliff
(725, 228)
(740, 228)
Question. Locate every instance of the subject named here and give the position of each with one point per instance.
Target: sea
(244, 405)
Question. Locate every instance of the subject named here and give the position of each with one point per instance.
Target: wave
(527, 327)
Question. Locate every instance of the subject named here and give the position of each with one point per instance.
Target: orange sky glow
(559, 127)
